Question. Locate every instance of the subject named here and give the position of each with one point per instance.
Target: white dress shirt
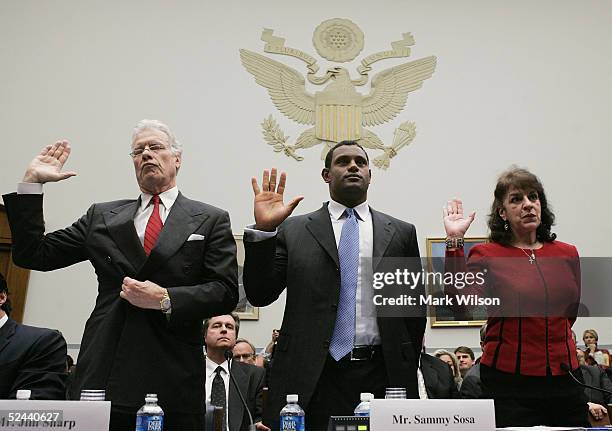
(211, 368)
(3, 320)
(143, 213)
(145, 209)
(366, 327)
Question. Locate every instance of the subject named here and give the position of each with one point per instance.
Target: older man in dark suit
(163, 261)
(30, 358)
(332, 346)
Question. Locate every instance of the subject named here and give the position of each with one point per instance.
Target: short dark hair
(207, 323)
(465, 349)
(330, 153)
(524, 180)
(6, 307)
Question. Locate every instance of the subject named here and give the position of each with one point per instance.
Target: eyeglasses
(244, 356)
(153, 147)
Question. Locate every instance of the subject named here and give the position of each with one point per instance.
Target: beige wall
(517, 82)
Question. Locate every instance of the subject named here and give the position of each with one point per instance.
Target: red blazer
(531, 332)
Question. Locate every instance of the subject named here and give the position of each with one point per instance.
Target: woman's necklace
(531, 256)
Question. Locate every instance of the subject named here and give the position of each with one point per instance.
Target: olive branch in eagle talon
(338, 112)
(274, 136)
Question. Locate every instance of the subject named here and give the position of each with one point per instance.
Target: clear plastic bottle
(363, 409)
(292, 415)
(24, 394)
(150, 417)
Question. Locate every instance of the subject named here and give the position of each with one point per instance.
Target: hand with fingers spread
(269, 208)
(455, 224)
(47, 166)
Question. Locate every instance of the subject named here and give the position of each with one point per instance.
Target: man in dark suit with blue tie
(332, 345)
(163, 262)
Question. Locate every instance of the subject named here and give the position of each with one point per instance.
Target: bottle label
(149, 423)
(292, 423)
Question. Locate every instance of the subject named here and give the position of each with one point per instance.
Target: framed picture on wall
(442, 316)
(244, 309)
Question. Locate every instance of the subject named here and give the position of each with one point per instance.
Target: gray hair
(244, 340)
(175, 145)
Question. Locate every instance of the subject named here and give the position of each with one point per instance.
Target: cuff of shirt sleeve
(29, 189)
(253, 235)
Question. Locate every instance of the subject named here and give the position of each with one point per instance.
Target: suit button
(326, 344)
(334, 307)
(108, 259)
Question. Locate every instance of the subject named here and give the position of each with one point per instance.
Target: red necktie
(154, 227)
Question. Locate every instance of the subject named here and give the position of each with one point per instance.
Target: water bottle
(150, 417)
(292, 415)
(363, 409)
(24, 394)
(395, 393)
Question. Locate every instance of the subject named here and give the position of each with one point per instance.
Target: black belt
(363, 353)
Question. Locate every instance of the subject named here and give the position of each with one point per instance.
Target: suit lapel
(235, 408)
(383, 232)
(120, 224)
(319, 225)
(183, 220)
(6, 333)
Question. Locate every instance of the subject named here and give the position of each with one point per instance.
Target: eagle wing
(285, 86)
(390, 90)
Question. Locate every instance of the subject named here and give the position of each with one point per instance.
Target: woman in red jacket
(528, 342)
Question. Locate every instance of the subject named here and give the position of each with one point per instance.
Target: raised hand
(455, 223)
(270, 211)
(47, 166)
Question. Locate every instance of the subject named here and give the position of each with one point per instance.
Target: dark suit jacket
(32, 358)
(471, 387)
(303, 257)
(127, 350)
(250, 380)
(439, 381)
(595, 376)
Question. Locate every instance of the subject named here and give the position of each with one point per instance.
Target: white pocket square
(195, 237)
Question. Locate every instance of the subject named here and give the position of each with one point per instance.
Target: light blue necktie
(348, 254)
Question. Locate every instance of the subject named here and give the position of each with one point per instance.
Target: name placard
(33, 415)
(468, 415)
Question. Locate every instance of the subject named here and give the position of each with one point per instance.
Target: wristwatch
(164, 304)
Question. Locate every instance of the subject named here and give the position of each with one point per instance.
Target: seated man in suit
(163, 264)
(244, 351)
(220, 336)
(465, 356)
(471, 387)
(595, 375)
(30, 358)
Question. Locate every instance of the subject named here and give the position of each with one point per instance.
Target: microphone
(567, 369)
(229, 355)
